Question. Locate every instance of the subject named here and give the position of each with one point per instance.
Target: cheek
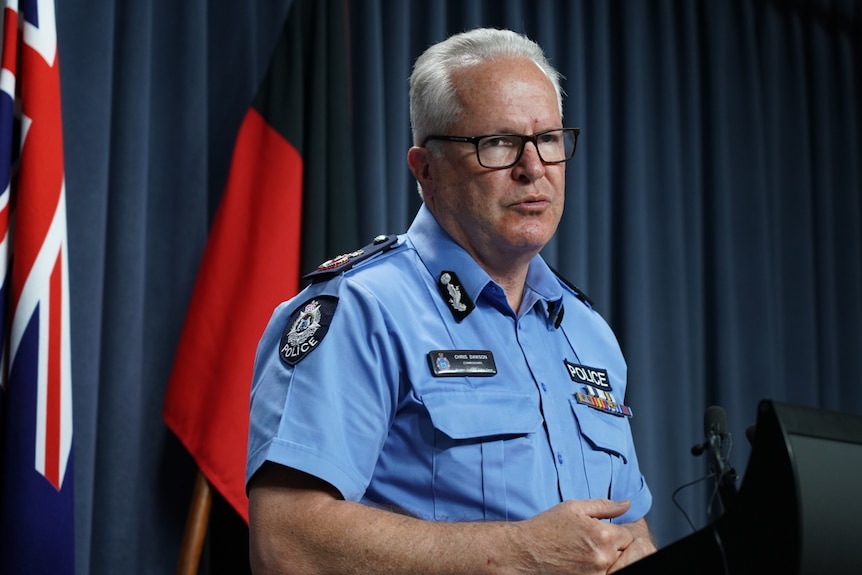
(557, 177)
(469, 195)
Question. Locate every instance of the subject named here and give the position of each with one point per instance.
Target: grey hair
(434, 105)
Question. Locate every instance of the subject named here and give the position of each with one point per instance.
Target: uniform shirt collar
(439, 253)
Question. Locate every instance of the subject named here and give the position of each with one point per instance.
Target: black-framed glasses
(498, 151)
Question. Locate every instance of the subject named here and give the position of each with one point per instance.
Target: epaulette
(578, 292)
(344, 262)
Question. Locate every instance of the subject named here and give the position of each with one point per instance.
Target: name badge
(461, 362)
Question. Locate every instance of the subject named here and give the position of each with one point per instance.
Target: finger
(639, 548)
(605, 508)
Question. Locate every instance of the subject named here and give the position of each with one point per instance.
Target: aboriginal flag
(37, 526)
(293, 147)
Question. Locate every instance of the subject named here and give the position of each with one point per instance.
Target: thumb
(605, 508)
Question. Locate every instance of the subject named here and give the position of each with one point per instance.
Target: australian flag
(36, 501)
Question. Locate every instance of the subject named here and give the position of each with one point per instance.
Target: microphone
(554, 315)
(715, 429)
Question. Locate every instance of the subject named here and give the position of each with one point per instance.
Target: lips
(532, 202)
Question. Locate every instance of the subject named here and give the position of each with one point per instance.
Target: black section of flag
(306, 98)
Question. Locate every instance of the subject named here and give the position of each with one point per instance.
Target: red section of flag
(54, 375)
(250, 265)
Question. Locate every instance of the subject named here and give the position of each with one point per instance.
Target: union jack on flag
(36, 507)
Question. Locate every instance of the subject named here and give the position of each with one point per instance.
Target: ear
(419, 161)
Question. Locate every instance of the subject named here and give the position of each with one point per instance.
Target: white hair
(434, 105)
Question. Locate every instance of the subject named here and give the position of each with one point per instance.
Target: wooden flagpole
(196, 527)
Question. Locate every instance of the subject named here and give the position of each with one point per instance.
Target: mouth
(534, 203)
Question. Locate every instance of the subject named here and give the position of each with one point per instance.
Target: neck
(509, 270)
(512, 282)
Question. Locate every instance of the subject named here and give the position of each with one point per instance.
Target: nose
(530, 167)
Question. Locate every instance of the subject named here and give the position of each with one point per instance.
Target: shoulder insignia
(306, 328)
(344, 262)
(578, 292)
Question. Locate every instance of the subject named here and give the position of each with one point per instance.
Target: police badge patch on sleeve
(306, 328)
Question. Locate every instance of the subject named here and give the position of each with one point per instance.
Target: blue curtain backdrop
(714, 214)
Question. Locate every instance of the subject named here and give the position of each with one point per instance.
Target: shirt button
(544, 387)
(560, 457)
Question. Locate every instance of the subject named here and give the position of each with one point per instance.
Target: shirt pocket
(603, 442)
(478, 435)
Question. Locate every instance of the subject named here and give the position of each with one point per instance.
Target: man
(440, 401)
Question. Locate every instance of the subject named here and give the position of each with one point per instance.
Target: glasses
(498, 151)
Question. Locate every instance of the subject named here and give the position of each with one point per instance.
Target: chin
(528, 244)
(532, 236)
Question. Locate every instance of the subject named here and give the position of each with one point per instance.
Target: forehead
(506, 93)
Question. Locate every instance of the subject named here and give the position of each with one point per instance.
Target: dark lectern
(799, 507)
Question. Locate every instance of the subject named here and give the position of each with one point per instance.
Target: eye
(499, 142)
(550, 137)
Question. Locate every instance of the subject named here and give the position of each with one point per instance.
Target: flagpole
(196, 527)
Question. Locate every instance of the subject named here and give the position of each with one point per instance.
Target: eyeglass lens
(504, 150)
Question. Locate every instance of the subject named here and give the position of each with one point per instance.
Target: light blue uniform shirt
(362, 410)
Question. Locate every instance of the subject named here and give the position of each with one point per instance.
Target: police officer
(441, 401)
